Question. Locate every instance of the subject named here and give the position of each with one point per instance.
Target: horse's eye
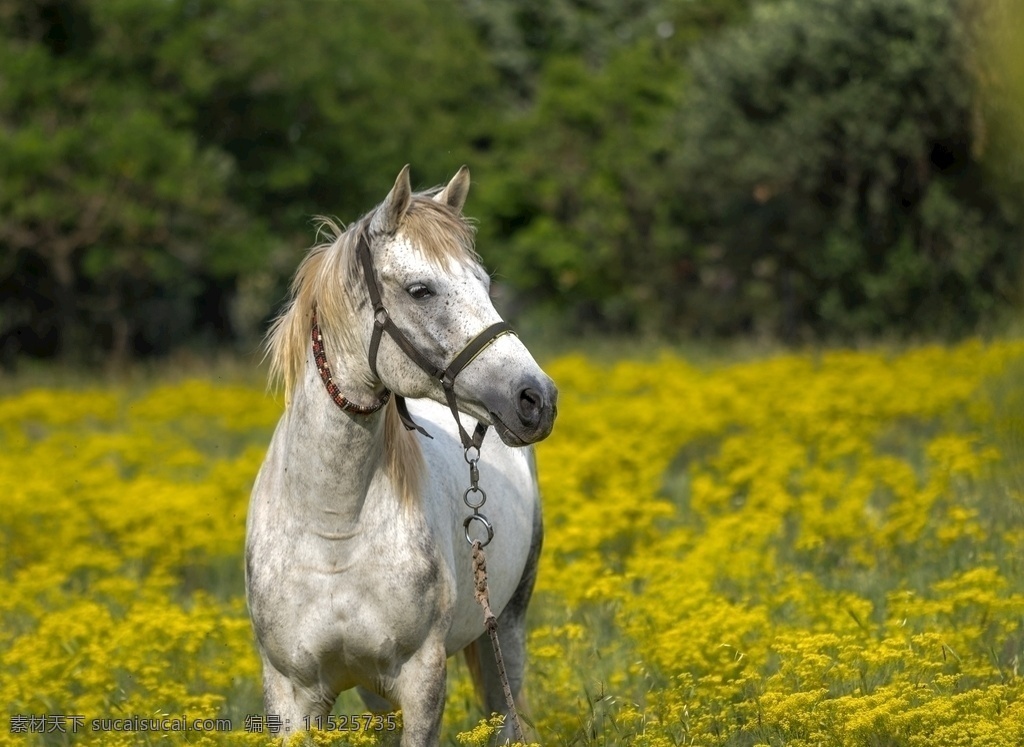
(419, 291)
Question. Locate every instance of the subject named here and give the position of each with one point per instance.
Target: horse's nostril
(530, 401)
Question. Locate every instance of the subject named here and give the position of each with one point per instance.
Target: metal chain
(478, 500)
(480, 582)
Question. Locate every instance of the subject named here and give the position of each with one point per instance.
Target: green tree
(581, 202)
(831, 154)
(522, 36)
(160, 156)
(317, 104)
(111, 214)
(580, 215)
(997, 64)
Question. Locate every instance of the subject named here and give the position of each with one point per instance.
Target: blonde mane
(325, 279)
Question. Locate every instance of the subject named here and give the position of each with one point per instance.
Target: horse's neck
(334, 455)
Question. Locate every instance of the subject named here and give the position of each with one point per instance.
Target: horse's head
(437, 294)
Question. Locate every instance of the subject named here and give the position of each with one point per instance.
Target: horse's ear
(454, 195)
(390, 213)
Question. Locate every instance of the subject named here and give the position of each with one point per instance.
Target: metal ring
(474, 489)
(483, 520)
(466, 456)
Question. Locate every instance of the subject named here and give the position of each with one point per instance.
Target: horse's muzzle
(534, 411)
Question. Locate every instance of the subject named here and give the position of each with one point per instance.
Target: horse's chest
(340, 607)
(387, 599)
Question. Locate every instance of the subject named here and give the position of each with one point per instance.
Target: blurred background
(799, 171)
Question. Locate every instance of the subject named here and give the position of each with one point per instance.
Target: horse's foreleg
(288, 707)
(419, 690)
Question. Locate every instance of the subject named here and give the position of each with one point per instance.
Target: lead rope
(480, 581)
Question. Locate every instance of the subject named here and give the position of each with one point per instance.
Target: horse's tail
(476, 672)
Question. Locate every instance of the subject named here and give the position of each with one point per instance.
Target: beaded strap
(332, 389)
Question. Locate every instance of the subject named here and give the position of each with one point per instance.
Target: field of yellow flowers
(808, 549)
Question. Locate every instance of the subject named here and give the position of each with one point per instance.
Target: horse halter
(382, 323)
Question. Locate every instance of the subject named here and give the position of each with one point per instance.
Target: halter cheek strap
(382, 323)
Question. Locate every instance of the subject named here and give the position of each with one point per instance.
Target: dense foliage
(822, 167)
(801, 550)
(834, 147)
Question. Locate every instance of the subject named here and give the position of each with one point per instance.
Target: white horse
(358, 569)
